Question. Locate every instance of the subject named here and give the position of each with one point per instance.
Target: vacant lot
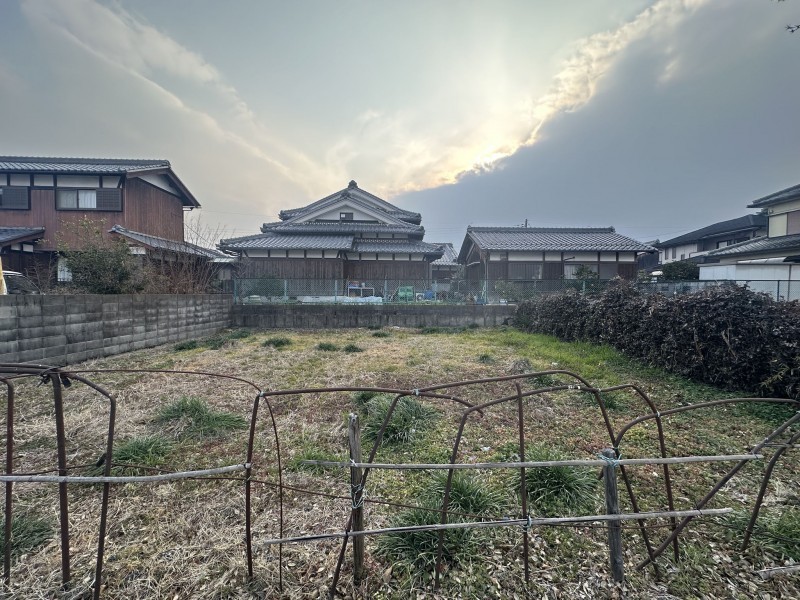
(185, 539)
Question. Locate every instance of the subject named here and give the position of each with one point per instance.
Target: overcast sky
(654, 117)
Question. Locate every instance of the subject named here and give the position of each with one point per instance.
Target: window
(674, 252)
(683, 257)
(572, 270)
(102, 199)
(524, 271)
(14, 198)
(345, 216)
(64, 274)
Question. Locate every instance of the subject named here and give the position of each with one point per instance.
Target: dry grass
(184, 539)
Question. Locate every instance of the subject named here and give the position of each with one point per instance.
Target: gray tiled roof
(603, 239)
(37, 164)
(343, 227)
(745, 223)
(269, 241)
(165, 244)
(10, 235)
(449, 258)
(394, 246)
(355, 191)
(791, 193)
(783, 244)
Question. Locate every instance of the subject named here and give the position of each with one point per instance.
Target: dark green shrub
(727, 336)
(469, 494)
(381, 334)
(327, 347)
(218, 340)
(485, 359)
(352, 348)
(360, 399)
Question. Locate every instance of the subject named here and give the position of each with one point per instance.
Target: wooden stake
(612, 508)
(357, 495)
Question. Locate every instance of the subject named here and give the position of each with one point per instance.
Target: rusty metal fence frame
(59, 378)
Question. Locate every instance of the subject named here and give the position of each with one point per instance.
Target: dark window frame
(16, 187)
(84, 209)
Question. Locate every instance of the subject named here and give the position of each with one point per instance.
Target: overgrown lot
(185, 539)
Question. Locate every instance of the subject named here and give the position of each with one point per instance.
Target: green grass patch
(556, 491)
(352, 348)
(187, 345)
(485, 359)
(192, 417)
(360, 399)
(28, 532)
(147, 451)
(277, 342)
(777, 532)
(223, 338)
(469, 493)
(410, 418)
(381, 334)
(327, 347)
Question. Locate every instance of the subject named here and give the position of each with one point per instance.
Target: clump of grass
(557, 490)
(277, 342)
(778, 533)
(187, 345)
(218, 340)
(417, 549)
(485, 359)
(352, 348)
(468, 494)
(147, 451)
(360, 399)
(773, 413)
(381, 334)
(410, 417)
(28, 532)
(327, 347)
(314, 453)
(192, 417)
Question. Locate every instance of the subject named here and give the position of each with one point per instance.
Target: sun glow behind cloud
(481, 112)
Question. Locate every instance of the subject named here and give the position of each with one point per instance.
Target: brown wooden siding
(293, 268)
(386, 269)
(146, 209)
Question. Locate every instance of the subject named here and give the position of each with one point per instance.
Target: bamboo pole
(508, 522)
(122, 479)
(545, 463)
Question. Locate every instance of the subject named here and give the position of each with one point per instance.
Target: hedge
(728, 336)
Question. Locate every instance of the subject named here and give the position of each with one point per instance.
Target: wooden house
(351, 235)
(547, 253)
(43, 199)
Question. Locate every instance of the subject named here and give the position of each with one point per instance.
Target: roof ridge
(84, 160)
(481, 228)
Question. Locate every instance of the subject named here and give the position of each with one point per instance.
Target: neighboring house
(698, 243)
(547, 253)
(42, 199)
(446, 267)
(350, 236)
(775, 256)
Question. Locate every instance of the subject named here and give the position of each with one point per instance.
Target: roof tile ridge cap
(85, 160)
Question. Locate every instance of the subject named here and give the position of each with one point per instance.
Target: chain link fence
(273, 290)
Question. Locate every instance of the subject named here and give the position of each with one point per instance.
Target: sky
(655, 117)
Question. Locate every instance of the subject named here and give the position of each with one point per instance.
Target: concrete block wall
(61, 330)
(321, 316)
